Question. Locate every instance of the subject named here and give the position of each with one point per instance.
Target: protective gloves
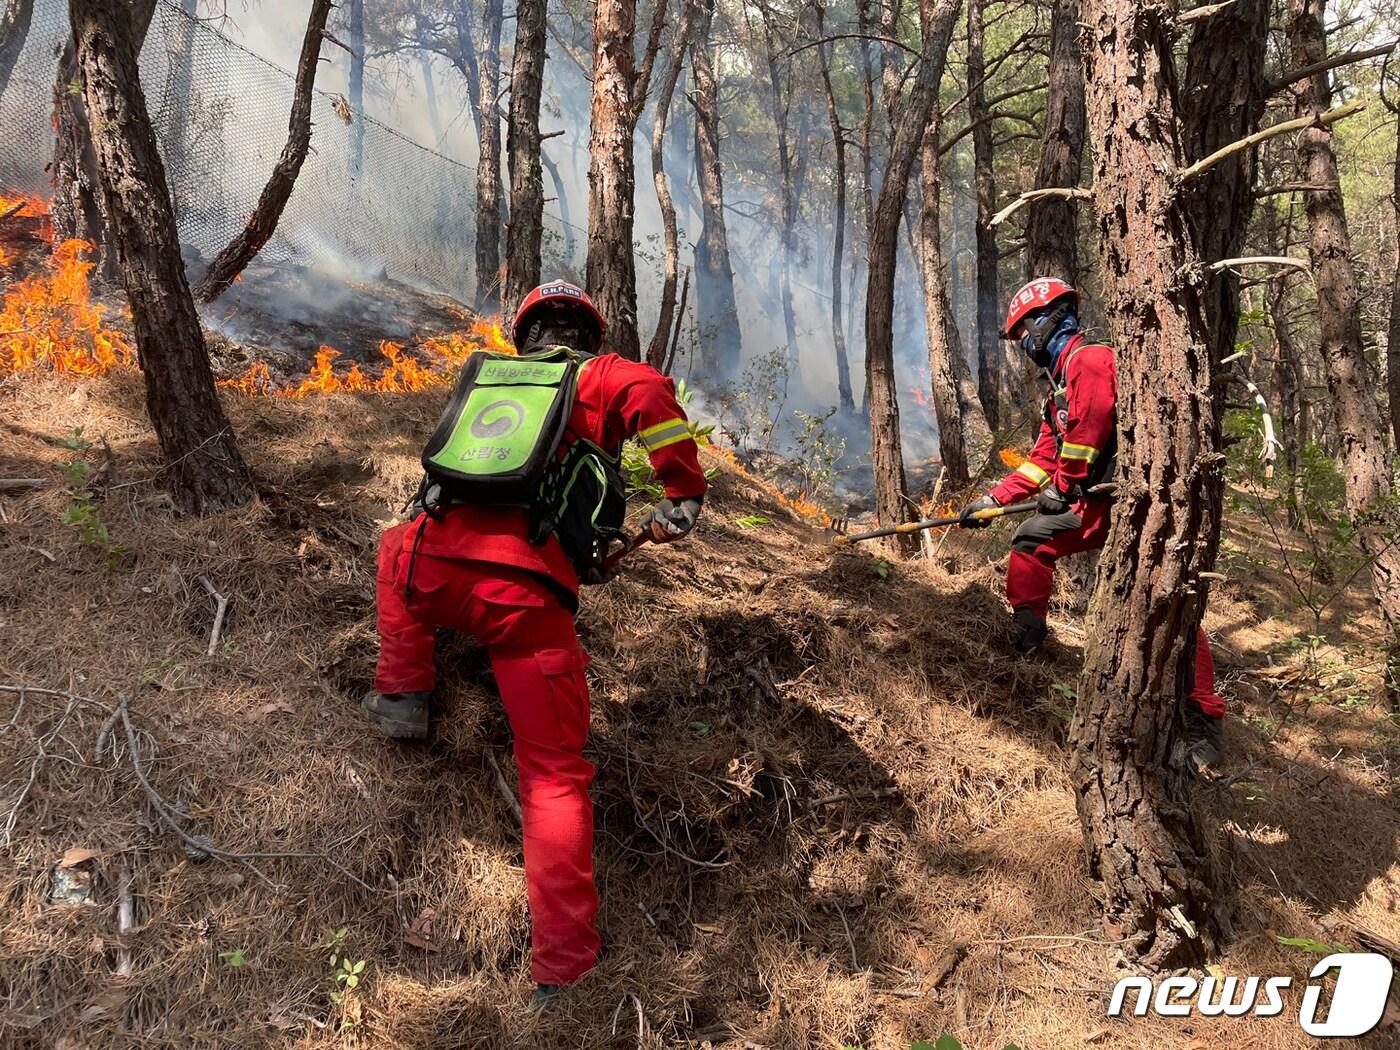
(1052, 501)
(968, 521)
(670, 520)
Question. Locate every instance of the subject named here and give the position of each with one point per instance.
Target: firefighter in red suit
(475, 571)
(1074, 453)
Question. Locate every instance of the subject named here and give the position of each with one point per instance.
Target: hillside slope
(820, 780)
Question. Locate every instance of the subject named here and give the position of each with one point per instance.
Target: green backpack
(498, 444)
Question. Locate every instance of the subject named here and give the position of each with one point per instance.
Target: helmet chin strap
(1040, 330)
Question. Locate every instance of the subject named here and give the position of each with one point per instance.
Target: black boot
(1205, 739)
(1028, 631)
(400, 716)
(546, 995)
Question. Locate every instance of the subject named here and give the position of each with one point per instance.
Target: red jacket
(1079, 434)
(617, 399)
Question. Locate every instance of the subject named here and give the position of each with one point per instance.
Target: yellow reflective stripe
(664, 434)
(656, 428)
(1072, 451)
(1033, 472)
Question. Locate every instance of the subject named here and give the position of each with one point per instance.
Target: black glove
(1052, 501)
(599, 574)
(670, 520)
(968, 521)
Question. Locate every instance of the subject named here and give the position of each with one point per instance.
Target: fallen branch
(1030, 196)
(1258, 260)
(949, 961)
(1196, 14)
(13, 209)
(855, 796)
(1288, 187)
(126, 920)
(218, 614)
(11, 484)
(1264, 134)
(504, 788)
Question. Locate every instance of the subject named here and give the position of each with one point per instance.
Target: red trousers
(1044, 539)
(539, 668)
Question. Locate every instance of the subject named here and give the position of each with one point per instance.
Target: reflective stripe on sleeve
(1033, 472)
(663, 434)
(1072, 451)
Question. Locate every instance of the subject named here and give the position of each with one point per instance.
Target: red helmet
(1036, 295)
(556, 292)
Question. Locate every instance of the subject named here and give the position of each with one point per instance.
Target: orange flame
(1011, 458)
(49, 320)
(921, 396)
(799, 503)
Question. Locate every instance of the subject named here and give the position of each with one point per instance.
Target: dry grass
(813, 780)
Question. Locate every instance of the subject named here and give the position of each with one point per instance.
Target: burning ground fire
(49, 321)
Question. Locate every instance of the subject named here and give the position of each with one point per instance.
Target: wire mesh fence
(220, 115)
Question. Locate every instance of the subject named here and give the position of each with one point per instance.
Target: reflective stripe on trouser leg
(1212, 705)
(405, 662)
(546, 697)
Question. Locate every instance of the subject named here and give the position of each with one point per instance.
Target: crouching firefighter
(1074, 453)
(521, 499)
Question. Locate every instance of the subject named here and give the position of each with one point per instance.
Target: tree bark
(846, 400)
(488, 167)
(1051, 245)
(781, 102)
(15, 16)
(989, 351)
(1142, 833)
(656, 350)
(1365, 460)
(206, 471)
(914, 111)
(1223, 101)
(526, 228)
(1392, 346)
(357, 87)
(717, 315)
(230, 262)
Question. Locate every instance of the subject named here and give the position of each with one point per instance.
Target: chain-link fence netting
(220, 113)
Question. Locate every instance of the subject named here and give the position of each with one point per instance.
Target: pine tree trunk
(1051, 248)
(781, 101)
(1143, 835)
(357, 87)
(206, 471)
(1223, 100)
(717, 314)
(1392, 346)
(612, 275)
(846, 400)
(526, 229)
(230, 262)
(488, 168)
(882, 398)
(656, 349)
(15, 16)
(939, 322)
(989, 351)
(1366, 465)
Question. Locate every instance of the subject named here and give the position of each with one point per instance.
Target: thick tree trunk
(1392, 346)
(206, 471)
(1051, 248)
(15, 16)
(717, 315)
(838, 243)
(526, 228)
(1365, 462)
(1222, 101)
(77, 206)
(1132, 789)
(656, 349)
(612, 274)
(357, 87)
(230, 262)
(488, 168)
(989, 351)
(915, 109)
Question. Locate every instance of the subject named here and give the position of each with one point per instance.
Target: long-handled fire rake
(842, 538)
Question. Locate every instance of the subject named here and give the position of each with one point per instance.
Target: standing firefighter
(521, 497)
(1074, 453)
